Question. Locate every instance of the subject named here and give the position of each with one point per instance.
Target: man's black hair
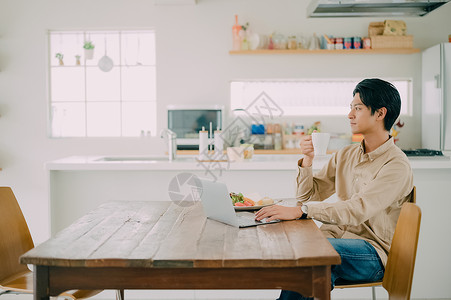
(376, 93)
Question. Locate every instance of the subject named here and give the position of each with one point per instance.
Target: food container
(248, 150)
(347, 43)
(292, 42)
(366, 43)
(356, 42)
(338, 43)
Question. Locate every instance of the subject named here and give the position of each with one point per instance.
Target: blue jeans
(359, 262)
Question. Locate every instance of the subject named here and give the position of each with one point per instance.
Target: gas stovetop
(423, 152)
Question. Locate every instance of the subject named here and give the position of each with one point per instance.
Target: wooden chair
(398, 275)
(15, 240)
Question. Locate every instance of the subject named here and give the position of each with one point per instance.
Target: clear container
(248, 150)
(280, 42)
(268, 143)
(292, 42)
(278, 142)
(244, 40)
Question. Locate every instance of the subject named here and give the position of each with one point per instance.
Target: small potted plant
(89, 49)
(77, 60)
(60, 56)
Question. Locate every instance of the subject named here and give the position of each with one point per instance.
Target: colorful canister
(338, 43)
(331, 45)
(366, 43)
(347, 43)
(357, 42)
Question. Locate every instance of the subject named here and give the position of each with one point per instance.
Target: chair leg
(119, 294)
(373, 291)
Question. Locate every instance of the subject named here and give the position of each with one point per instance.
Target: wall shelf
(325, 51)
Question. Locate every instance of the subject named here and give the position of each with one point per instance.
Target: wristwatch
(304, 209)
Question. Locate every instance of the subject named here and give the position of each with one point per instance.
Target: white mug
(320, 142)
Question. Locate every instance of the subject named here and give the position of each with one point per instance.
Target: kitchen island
(79, 184)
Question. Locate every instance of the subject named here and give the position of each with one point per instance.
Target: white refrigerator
(436, 97)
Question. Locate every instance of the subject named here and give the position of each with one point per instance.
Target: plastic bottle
(236, 35)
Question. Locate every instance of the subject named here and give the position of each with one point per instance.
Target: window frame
(237, 108)
(153, 114)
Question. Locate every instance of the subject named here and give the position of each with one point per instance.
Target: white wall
(193, 67)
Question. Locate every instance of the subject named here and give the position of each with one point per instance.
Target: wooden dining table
(164, 245)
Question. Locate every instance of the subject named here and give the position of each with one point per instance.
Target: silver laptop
(218, 206)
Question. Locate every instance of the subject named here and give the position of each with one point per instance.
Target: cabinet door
(431, 99)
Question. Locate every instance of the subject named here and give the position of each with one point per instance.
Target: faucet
(172, 142)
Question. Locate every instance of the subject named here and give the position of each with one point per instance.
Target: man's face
(360, 117)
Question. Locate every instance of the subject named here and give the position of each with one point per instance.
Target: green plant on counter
(316, 126)
(88, 45)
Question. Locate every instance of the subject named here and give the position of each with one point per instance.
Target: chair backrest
(401, 258)
(413, 195)
(15, 238)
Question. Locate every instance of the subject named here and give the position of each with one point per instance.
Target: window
(325, 97)
(113, 94)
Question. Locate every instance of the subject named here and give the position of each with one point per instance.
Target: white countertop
(187, 162)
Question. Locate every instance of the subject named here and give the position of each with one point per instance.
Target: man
(371, 179)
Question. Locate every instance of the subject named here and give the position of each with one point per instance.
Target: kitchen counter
(189, 163)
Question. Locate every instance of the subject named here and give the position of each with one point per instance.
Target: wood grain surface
(163, 234)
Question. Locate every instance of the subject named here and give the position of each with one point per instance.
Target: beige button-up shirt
(371, 188)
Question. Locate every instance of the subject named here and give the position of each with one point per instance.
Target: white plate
(255, 207)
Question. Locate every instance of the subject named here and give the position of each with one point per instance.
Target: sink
(141, 159)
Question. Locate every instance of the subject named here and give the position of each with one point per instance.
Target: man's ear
(381, 113)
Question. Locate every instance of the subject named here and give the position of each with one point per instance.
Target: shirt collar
(379, 151)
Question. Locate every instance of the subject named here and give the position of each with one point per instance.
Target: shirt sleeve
(381, 192)
(318, 187)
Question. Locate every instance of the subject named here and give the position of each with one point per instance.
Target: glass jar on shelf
(280, 42)
(292, 42)
(244, 35)
(278, 141)
(244, 40)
